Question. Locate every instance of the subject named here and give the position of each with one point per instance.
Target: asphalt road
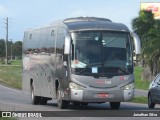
(139, 92)
(15, 100)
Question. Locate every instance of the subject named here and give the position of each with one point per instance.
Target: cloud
(3, 11)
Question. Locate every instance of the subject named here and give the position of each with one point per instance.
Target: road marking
(10, 88)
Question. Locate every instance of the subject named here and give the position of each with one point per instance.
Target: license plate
(103, 95)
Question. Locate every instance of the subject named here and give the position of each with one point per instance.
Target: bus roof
(93, 23)
(87, 23)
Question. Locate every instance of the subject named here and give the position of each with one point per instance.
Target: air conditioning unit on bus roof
(86, 19)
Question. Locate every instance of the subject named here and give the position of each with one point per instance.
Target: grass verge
(140, 99)
(16, 62)
(140, 84)
(11, 76)
(7, 118)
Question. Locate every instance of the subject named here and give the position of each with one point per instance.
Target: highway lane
(11, 99)
(15, 100)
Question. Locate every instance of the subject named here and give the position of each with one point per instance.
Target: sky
(25, 14)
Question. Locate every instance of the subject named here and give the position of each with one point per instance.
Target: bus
(79, 61)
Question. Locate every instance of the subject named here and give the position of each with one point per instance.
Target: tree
(9, 48)
(142, 25)
(148, 30)
(2, 48)
(153, 42)
(17, 49)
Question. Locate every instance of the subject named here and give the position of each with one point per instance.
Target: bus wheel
(35, 99)
(62, 104)
(115, 105)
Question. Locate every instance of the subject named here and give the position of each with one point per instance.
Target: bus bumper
(107, 95)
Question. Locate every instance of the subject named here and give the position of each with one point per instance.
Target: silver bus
(80, 60)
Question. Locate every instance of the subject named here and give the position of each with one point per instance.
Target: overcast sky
(24, 14)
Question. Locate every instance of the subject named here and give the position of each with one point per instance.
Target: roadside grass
(140, 99)
(13, 62)
(16, 62)
(140, 84)
(8, 118)
(11, 75)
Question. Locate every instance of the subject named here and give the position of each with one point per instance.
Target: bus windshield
(97, 50)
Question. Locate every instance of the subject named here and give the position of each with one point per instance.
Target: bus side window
(60, 44)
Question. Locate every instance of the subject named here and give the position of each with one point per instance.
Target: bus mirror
(137, 43)
(67, 45)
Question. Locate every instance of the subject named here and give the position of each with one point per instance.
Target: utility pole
(6, 61)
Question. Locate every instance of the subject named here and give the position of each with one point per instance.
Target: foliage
(2, 48)
(16, 48)
(11, 76)
(140, 99)
(8, 118)
(148, 30)
(139, 83)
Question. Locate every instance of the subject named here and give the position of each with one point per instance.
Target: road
(139, 92)
(15, 100)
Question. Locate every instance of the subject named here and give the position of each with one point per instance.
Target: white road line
(10, 88)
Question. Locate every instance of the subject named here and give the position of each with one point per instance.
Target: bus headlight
(75, 86)
(129, 86)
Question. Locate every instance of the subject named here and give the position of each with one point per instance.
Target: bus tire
(115, 105)
(62, 104)
(35, 99)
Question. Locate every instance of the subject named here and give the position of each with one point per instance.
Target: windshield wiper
(123, 69)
